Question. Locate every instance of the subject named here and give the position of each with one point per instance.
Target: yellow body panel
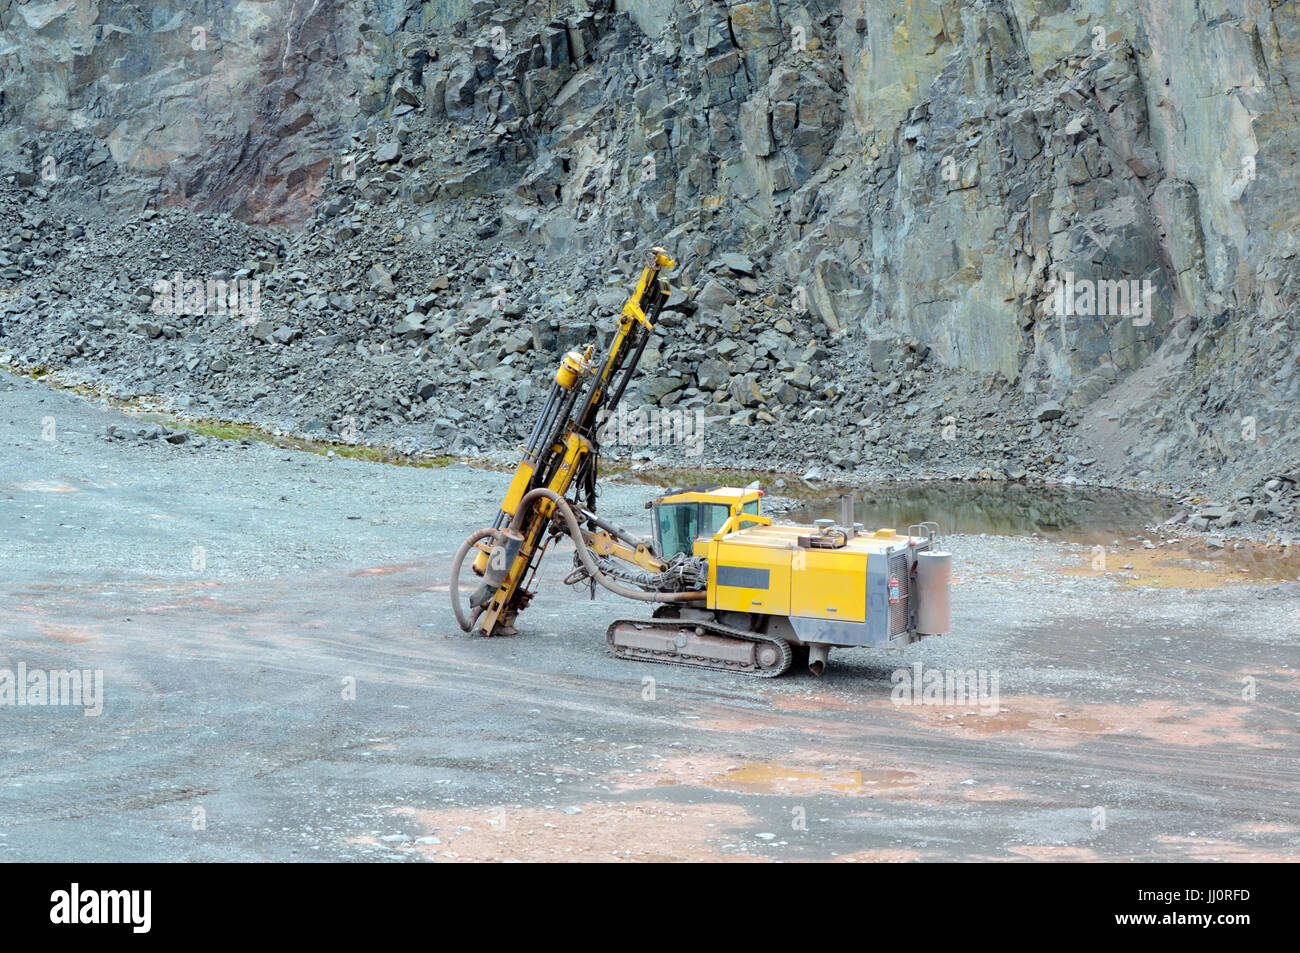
(809, 583)
(518, 487)
(829, 584)
(772, 599)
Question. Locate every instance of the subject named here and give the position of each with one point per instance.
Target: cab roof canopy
(713, 492)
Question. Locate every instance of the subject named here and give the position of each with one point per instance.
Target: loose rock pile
(844, 307)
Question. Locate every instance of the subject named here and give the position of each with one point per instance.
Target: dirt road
(282, 679)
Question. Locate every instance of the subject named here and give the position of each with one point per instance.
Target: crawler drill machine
(732, 590)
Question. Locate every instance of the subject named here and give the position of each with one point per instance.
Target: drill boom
(561, 456)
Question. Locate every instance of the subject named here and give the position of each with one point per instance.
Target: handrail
(737, 519)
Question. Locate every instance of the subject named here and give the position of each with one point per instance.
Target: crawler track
(695, 643)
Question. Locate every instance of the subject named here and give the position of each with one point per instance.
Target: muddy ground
(236, 597)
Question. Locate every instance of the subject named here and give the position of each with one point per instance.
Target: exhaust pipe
(818, 658)
(933, 579)
(848, 503)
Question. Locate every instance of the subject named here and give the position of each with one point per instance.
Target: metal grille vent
(898, 610)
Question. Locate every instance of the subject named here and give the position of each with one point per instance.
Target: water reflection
(1003, 509)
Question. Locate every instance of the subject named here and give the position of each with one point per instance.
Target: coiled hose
(575, 532)
(465, 623)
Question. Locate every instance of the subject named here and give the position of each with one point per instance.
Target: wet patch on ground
(305, 687)
(630, 831)
(1182, 564)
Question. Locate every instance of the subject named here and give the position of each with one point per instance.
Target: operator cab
(686, 519)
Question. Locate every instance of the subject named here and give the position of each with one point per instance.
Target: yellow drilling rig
(733, 591)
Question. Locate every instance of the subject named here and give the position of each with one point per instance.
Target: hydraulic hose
(588, 560)
(616, 531)
(465, 623)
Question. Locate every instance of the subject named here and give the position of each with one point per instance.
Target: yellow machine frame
(563, 459)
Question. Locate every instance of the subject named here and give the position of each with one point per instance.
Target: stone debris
(871, 270)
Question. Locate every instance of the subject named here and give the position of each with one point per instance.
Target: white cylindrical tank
(933, 574)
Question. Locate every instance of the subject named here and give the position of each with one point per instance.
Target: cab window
(751, 507)
(678, 526)
(715, 514)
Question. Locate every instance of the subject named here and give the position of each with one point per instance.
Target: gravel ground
(236, 598)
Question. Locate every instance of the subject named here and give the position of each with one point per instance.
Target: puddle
(1083, 514)
(1190, 564)
(1114, 521)
(1092, 518)
(771, 777)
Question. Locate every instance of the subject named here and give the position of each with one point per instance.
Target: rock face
(226, 107)
(1085, 205)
